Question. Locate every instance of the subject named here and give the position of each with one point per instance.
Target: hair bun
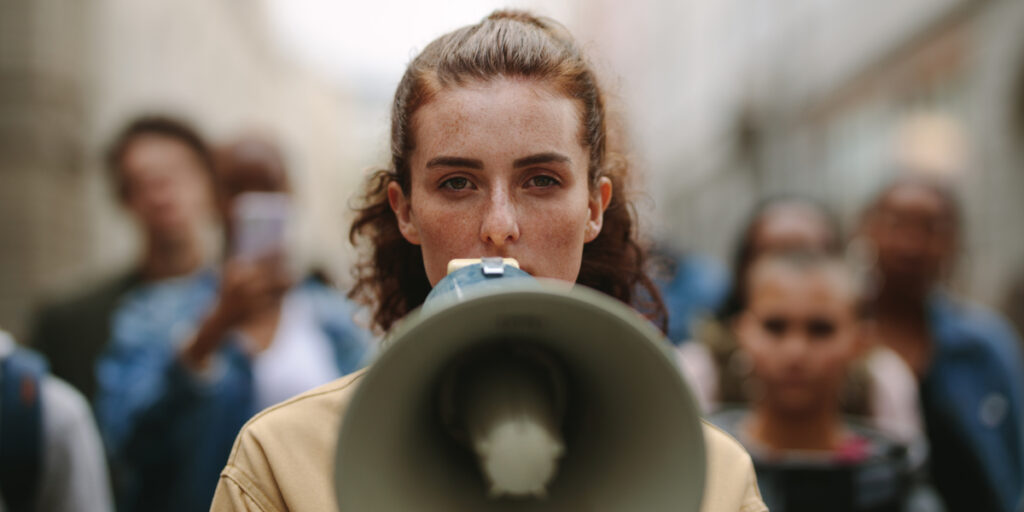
(517, 15)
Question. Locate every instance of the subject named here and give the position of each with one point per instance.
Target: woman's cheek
(564, 223)
(450, 233)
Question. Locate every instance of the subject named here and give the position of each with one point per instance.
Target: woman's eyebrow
(455, 161)
(540, 158)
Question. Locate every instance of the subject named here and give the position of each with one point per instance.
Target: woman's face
(914, 235)
(800, 331)
(498, 170)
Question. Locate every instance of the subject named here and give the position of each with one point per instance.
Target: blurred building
(733, 99)
(726, 101)
(73, 72)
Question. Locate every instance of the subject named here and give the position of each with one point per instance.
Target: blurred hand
(249, 288)
(249, 301)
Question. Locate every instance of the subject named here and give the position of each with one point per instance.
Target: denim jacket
(975, 382)
(168, 430)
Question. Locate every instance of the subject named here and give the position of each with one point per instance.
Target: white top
(299, 359)
(74, 471)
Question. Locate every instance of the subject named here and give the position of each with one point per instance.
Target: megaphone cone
(570, 397)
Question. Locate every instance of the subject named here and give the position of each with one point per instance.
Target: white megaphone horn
(504, 392)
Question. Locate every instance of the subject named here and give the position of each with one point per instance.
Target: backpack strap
(21, 428)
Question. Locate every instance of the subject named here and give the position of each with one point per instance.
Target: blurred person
(878, 386)
(715, 366)
(966, 358)
(780, 223)
(802, 328)
(498, 149)
(693, 287)
(161, 170)
(51, 457)
(1013, 305)
(191, 360)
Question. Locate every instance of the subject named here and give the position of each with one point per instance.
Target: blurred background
(723, 102)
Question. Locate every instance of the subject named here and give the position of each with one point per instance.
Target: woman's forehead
(499, 113)
(916, 199)
(822, 284)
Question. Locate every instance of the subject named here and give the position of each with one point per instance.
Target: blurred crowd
(852, 375)
(180, 350)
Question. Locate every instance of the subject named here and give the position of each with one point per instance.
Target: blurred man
(1013, 304)
(965, 357)
(161, 170)
(192, 359)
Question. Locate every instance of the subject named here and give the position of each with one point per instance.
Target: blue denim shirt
(169, 431)
(975, 381)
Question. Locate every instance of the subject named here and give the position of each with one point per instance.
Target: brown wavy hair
(507, 44)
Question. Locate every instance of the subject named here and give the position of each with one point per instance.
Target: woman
(802, 329)
(498, 149)
(780, 224)
(879, 386)
(717, 369)
(966, 358)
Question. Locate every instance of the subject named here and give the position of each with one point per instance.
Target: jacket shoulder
(283, 458)
(729, 483)
(326, 400)
(721, 443)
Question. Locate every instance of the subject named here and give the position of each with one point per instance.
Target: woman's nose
(499, 226)
(794, 346)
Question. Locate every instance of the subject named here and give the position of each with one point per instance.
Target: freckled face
(499, 170)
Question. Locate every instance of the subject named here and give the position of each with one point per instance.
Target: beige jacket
(283, 459)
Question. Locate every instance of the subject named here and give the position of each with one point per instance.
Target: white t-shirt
(300, 357)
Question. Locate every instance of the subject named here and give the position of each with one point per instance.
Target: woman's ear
(599, 200)
(403, 212)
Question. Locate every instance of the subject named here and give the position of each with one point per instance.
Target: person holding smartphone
(499, 149)
(161, 174)
(192, 360)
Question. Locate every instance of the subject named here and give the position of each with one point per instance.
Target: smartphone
(261, 224)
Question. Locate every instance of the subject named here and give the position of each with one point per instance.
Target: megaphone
(510, 394)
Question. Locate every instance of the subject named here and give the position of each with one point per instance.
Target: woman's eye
(821, 328)
(456, 183)
(775, 326)
(542, 181)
